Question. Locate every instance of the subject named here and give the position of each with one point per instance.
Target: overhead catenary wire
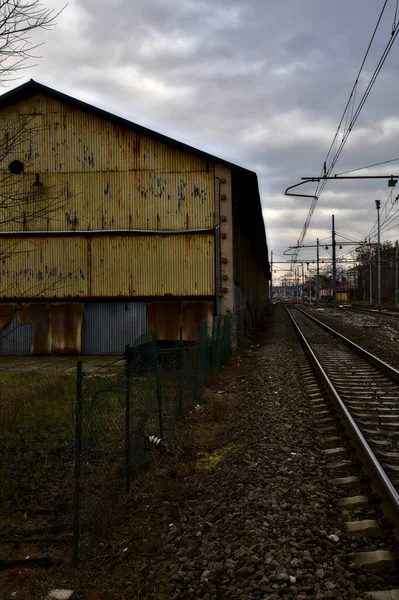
(332, 156)
(384, 162)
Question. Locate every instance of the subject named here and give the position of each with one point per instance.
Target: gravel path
(260, 524)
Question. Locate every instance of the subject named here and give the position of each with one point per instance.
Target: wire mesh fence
(141, 406)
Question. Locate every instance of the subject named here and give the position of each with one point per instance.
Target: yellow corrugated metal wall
(83, 173)
(102, 266)
(108, 177)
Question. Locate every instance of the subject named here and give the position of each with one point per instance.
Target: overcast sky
(261, 83)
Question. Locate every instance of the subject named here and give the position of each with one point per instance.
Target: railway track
(377, 312)
(365, 394)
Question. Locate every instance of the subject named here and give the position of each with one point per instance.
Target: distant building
(116, 229)
(344, 291)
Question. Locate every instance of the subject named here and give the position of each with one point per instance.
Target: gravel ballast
(260, 521)
(264, 523)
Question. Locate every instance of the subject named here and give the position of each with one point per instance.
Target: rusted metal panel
(15, 339)
(46, 267)
(180, 265)
(38, 315)
(66, 327)
(107, 266)
(134, 200)
(166, 318)
(109, 326)
(102, 175)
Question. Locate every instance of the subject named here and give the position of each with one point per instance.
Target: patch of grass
(209, 460)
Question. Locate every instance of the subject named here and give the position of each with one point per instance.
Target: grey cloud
(262, 84)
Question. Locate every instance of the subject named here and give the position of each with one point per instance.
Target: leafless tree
(27, 199)
(18, 19)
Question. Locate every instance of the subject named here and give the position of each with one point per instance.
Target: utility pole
(297, 284)
(303, 286)
(271, 277)
(334, 257)
(396, 274)
(317, 275)
(371, 286)
(378, 203)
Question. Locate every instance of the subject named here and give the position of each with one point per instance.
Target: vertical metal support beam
(396, 274)
(78, 462)
(271, 277)
(318, 275)
(303, 285)
(225, 209)
(371, 286)
(128, 444)
(334, 273)
(378, 203)
(297, 283)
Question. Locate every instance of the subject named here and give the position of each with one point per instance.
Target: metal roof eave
(33, 87)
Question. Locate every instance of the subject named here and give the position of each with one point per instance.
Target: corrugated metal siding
(109, 326)
(180, 265)
(76, 267)
(49, 267)
(104, 176)
(16, 339)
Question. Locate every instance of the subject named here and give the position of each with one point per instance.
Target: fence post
(128, 448)
(159, 386)
(181, 372)
(78, 458)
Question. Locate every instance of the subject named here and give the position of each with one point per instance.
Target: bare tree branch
(18, 19)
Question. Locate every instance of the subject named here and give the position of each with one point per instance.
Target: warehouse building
(108, 229)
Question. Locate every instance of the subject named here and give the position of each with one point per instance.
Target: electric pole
(396, 274)
(271, 277)
(317, 274)
(334, 276)
(378, 203)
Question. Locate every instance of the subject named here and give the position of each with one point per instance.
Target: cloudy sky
(261, 83)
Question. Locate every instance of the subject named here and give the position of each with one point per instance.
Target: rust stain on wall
(66, 327)
(6, 314)
(57, 326)
(166, 318)
(38, 315)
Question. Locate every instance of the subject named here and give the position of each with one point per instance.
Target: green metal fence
(142, 405)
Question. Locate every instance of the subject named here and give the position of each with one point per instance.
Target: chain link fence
(141, 406)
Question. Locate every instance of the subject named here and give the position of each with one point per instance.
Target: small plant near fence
(139, 408)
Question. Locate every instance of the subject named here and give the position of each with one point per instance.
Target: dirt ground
(242, 508)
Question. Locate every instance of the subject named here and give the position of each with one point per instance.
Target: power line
(384, 162)
(327, 168)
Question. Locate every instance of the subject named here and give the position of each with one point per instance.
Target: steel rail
(377, 362)
(380, 480)
(378, 312)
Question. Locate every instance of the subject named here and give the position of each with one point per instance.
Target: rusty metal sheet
(16, 339)
(7, 312)
(74, 267)
(46, 267)
(166, 318)
(37, 314)
(181, 265)
(66, 327)
(104, 176)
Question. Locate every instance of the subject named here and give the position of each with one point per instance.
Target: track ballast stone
(265, 522)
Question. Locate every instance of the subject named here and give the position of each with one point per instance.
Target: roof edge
(30, 87)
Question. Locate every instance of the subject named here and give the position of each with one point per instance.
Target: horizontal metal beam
(351, 177)
(105, 232)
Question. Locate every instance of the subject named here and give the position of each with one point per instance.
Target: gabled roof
(246, 181)
(32, 87)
